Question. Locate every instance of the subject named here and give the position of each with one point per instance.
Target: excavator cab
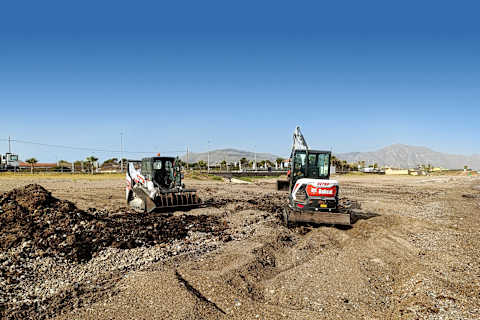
(312, 164)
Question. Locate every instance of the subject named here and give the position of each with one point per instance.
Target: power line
(88, 149)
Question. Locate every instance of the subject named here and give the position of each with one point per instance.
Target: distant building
(285, 164)
(38, 165)
(392, 171)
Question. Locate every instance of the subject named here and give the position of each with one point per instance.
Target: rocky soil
(413, 253)
(42, 236)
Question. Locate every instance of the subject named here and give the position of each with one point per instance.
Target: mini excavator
(313, 196)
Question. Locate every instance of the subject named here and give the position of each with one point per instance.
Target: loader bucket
(282, 185)
(174, 200)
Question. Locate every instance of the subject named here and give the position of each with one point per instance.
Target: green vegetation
(91, 162)
(32, 162)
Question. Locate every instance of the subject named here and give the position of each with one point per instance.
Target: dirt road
(414, 253)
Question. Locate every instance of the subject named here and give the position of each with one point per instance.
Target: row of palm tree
(244, 162)
(89, 163)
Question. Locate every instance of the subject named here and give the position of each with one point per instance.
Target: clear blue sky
(355, 75)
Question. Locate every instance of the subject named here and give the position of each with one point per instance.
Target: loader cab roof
(151, 164)
(158, 158)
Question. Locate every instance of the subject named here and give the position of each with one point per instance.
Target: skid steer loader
(313, 196)
(157, 185)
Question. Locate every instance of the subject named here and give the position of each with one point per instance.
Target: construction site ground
(412, 253)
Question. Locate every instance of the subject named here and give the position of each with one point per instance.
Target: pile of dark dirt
(58, 228)
(37, 227)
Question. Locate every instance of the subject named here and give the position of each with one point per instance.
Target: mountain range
(405, 156)
(229, 155)
(397, 156)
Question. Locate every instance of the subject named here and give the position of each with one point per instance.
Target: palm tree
(335, 162)
(91, 161)
(201, 164)
(222, 164)
(32, 162)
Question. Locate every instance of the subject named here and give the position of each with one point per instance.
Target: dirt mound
(31, 212)
(36, 227)
(33, 217)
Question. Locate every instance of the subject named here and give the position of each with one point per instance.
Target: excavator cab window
(299, 165)
(318, 165)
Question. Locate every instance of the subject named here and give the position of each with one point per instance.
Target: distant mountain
(229, 155)
(404, 156)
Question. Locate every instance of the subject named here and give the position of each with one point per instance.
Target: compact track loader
(313, 196)
(157, 185)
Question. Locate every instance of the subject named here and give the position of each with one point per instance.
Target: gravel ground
(412, 254)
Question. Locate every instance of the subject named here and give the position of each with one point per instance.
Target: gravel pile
(48, 246)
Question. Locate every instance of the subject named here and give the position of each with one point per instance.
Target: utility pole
(255, 163)
(9, 147)
(188, 160)
(121, 152)
(208, 157)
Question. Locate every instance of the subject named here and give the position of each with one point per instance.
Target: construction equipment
(157, 184)
(313, 197)
(9, 162)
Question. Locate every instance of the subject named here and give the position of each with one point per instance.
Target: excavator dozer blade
(318, 217)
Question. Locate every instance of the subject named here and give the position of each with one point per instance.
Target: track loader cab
(164, 172)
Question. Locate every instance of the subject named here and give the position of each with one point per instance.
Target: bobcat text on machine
(313, 196)
(157, 184)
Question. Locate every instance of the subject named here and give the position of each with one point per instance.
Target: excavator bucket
(282, 185)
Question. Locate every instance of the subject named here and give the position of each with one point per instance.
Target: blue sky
(355, 75)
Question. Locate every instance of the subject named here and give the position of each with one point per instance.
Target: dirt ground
(414, 253)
